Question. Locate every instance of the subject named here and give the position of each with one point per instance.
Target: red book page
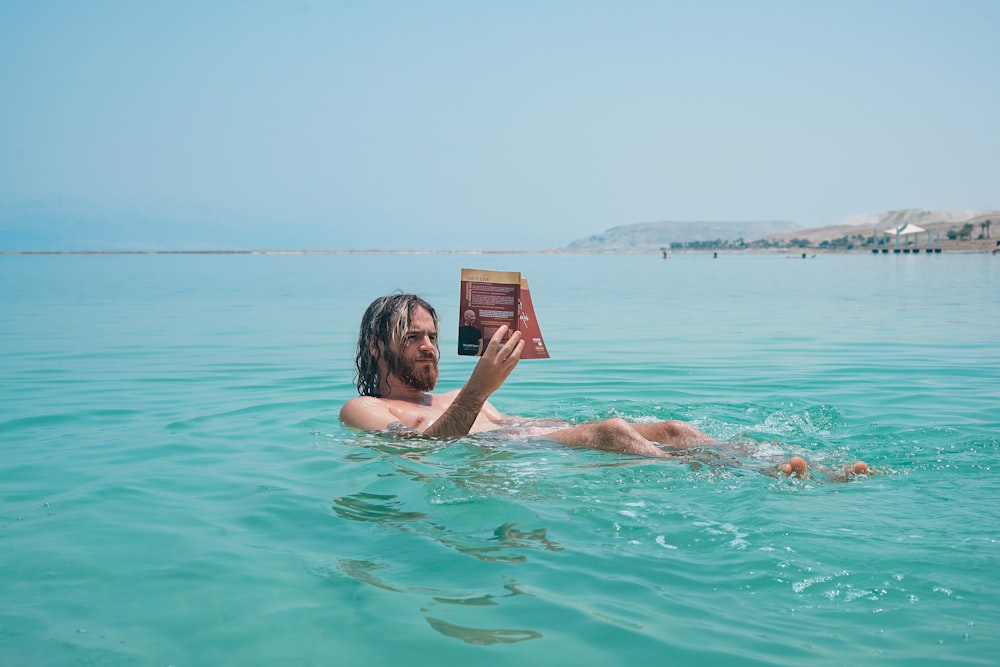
(534, 346)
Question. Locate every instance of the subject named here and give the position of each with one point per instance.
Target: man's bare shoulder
(362, 402)
(366, 412)
(365, 400)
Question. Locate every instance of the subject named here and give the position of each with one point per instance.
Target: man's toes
(796, 466)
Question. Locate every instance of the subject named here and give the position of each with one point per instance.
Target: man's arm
(493, 368)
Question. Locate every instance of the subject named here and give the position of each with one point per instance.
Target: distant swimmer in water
(397, 368)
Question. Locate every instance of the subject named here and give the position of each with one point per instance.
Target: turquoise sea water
(176, 489)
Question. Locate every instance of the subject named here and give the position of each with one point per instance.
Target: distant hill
(651, 236)
(646, 237)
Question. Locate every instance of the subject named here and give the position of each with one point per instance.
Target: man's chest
(419, 417)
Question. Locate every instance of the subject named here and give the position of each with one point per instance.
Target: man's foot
(859, 468)
(795, 467)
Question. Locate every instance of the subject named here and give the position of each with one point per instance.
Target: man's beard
(419, 376)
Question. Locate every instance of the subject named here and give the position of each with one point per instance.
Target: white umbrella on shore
(908, 228)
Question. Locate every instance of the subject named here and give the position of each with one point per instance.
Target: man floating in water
(397, 368)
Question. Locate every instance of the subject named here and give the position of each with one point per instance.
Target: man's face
(414, 360)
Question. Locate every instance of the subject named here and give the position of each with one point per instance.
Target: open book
(491, 299)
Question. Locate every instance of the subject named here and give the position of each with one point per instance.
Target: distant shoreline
(979, 246)
(947, 248)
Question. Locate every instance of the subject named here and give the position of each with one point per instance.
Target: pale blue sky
(465, 124)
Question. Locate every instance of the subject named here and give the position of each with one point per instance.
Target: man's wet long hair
(386, 320)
